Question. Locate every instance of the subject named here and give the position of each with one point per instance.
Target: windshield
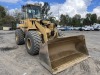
(34, 13)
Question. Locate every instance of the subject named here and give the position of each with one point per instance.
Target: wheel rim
(16, 38)
(29, 44)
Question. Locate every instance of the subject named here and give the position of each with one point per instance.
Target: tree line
(77, 20)
(6, 19)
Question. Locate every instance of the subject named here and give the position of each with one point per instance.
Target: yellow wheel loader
(42, 37)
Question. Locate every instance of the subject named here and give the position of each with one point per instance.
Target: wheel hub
(16, 38)
(29, 44)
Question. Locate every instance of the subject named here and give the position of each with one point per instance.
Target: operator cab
(32, 11)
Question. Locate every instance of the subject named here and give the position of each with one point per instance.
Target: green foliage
(90, 19)
(78, 21)
(2, 12)
(63, 20)
(45, 9)
(69, 20)
(98, 21)
(86, 21)
(93, 19)
(5, 19)
(18, 16)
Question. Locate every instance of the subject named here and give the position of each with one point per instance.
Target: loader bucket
(58, 54)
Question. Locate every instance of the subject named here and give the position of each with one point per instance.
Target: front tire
(32, 42)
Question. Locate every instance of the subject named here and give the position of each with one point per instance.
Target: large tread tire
(19, 37)
(34, 38)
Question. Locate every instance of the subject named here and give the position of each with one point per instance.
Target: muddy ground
(14, 60)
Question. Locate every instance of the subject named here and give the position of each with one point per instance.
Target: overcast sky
(70, 7)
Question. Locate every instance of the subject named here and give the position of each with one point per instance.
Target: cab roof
(29, 5)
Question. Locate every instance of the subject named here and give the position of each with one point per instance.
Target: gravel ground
(14, 60)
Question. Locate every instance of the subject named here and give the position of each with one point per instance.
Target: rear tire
(32, 42)
(19, 37)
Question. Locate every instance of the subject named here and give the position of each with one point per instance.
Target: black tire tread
(20, 34)
(37, 41)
